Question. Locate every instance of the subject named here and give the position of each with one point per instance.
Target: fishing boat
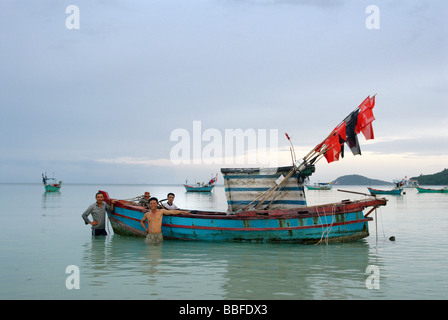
(51, 184)
(396, 191)
(335, 222)
(406, 183)
(264, 205)
(269, 204)
(427, 190)
(201, 187)
(319, 186)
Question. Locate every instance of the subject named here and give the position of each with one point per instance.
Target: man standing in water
(154, 217)
(98, 211)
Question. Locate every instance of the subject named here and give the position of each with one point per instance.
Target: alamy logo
(235, 146)
(373, 20)
(373, 280)
(73, 20)
(72, 281)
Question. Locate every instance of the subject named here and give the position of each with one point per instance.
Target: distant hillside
(440, 178)
(357, 180)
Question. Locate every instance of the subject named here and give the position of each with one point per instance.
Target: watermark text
(73, 20)
(73, 280)
(373, 20)
(373, 280)
(234, 146)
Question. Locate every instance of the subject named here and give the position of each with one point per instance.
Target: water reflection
(201, 270)
(298, 271)
(51, 200)
(173, 270)
(206, 200)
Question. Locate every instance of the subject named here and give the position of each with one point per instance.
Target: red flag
(365, 118)
(333, 148)
(365, 103)
(367, 131)
(340, 130)
(333, 144)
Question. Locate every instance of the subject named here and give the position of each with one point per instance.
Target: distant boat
(319, 186)
(202, 187)
(199, 188)
(406, 183)
(50, 184)
(426, 190)
(378, 191)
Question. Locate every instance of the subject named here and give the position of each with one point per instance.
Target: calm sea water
(42, 234)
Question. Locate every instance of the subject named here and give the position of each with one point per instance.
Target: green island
(440, 178)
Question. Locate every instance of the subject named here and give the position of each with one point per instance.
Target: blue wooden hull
(392, 192)
(319, 187)
(52, 188)
(336, 222)
(267, 230)
(426, 190)
(199, 189)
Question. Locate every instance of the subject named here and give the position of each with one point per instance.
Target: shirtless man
(154, 217)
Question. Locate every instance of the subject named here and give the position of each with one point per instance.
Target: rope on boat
(328, 229)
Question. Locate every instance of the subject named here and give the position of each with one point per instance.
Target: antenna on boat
(291, 149)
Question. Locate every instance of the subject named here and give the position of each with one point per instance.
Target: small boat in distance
(406, 183)
(396, 191)
(201, 187)
(319, 186)
(50, 184)
(427, 190)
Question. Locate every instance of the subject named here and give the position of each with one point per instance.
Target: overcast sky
(99, 104)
